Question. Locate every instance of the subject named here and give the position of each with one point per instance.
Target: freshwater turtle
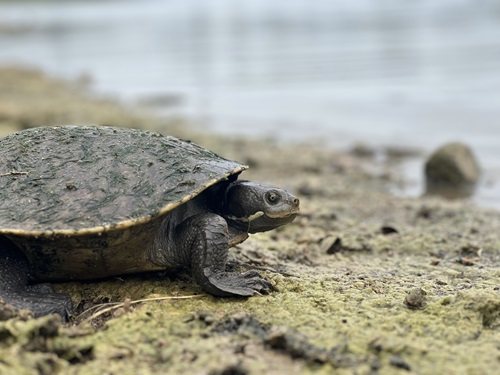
(88, 202)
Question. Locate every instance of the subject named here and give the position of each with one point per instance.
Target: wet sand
(365, 282)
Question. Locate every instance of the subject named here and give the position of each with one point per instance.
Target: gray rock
(452, 171)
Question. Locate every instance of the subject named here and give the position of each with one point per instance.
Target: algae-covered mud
(365, 282)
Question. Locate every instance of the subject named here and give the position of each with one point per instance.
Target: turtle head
(259, 207)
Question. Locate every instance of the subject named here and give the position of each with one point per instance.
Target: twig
(13, 173)
(117, 305)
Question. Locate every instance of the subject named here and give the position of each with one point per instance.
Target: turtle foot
(202, 242)
(41, 304)
(225, 284)
(16, 289)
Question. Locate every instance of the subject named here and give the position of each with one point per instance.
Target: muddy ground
(365, 282)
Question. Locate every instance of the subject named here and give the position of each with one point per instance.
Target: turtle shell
(75, 180)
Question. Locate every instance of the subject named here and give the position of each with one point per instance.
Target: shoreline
(365, 281)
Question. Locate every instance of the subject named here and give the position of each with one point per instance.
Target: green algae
(341, 311)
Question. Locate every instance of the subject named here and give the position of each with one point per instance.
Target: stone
(452, 171)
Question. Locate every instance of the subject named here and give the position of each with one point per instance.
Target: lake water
(382, 72)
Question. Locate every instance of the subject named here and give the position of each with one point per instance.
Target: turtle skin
(84, 203)
(16, 288)
(197, 236)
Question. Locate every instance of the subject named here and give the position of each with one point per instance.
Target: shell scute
(78, 179)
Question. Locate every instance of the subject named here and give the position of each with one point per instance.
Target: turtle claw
(52, 302)
(251, 274)
(226, 284)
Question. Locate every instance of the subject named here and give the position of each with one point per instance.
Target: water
(383, 72)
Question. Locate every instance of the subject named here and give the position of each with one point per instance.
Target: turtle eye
(272, 197)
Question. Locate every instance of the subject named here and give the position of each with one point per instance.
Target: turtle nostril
(296, 201)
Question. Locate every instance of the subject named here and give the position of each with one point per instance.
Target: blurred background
(385, 74)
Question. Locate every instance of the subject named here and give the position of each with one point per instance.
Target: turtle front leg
(202, 241)
(16, 290)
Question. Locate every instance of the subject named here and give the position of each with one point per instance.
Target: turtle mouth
(270, 221)
(283, 215)
(270, 215)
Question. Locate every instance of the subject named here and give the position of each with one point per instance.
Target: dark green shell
(80, 179)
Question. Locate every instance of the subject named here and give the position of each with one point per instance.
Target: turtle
(91, 202)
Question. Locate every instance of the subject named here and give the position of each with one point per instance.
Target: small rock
(386, 229)
(465, 261)
(452, 171)
(470, 250)
(363, 151)
(400, 152)
(7, 311)
(233, 369)
(416, 299)
(295, 344)
(333, 247)
(399, 362)
(435, 262)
